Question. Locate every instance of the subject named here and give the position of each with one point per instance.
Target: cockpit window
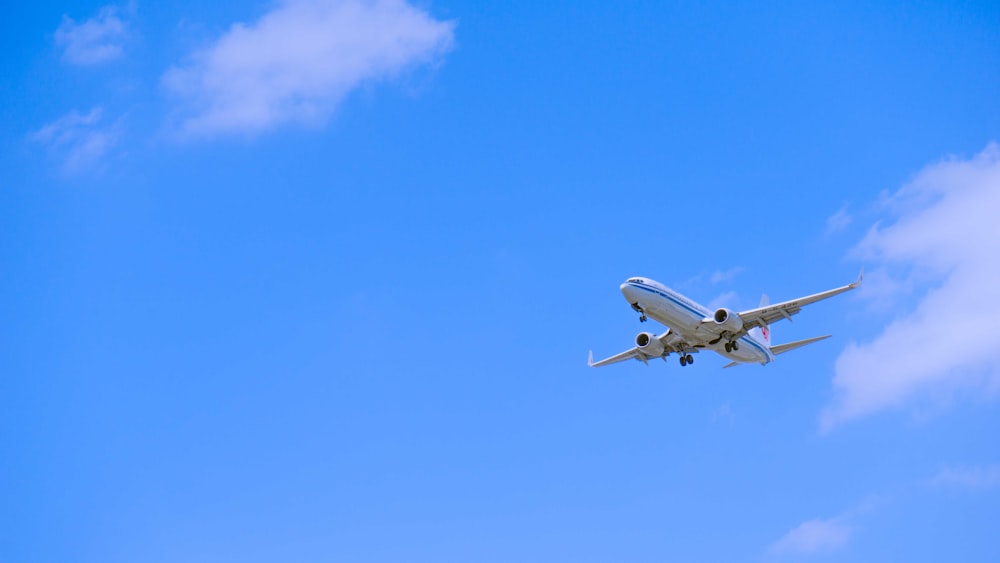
(635, 280)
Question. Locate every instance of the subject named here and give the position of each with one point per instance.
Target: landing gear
(642, 314)
(732, 346)
(686, 360)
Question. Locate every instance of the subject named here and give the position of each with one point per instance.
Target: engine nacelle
(727, 321)
(649, 344)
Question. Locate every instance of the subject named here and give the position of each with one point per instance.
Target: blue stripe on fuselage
(701, 314)
(673, 299)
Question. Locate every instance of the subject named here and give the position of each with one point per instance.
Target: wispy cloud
(713, 278)
(968, 478)
(297, 62)
(97, 40)
(813, 536)
(723, 300)
(81, 140)
(824, 535)
(945, 230)
(838, 221)
(720, 276)
(723, 413)
(884, 290)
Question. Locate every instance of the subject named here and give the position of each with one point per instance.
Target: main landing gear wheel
(686, 360)
(732, 346)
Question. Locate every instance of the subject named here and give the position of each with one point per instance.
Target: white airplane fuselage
(686, 318)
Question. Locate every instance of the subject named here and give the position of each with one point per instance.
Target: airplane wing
(634, 353)
(762, 316)
(671, 344)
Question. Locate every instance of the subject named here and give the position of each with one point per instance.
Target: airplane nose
(628, 291)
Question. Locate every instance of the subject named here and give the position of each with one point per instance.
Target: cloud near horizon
(296, 63)
(945, 240)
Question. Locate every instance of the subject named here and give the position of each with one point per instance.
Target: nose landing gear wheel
(639, 309)
(728, 347)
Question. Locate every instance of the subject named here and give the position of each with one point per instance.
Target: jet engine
(649, 344)
(727, 321)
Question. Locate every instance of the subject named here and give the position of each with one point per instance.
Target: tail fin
(763, 333)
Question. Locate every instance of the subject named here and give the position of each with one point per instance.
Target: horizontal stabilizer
(782, 348)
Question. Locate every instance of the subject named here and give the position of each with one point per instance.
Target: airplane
(743, 337)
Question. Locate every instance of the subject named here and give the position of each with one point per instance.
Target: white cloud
(813, 536)
(973, 478)
(724, 300)
(946, 232)
(297, 62)
(97, 40)
(883, 290)
(719, 276)
(724, 413)
(838, 221)
(81, 139)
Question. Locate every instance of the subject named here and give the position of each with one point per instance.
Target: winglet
(861, 276)
(590, 358)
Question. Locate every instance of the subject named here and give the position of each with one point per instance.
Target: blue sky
(315, 280)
